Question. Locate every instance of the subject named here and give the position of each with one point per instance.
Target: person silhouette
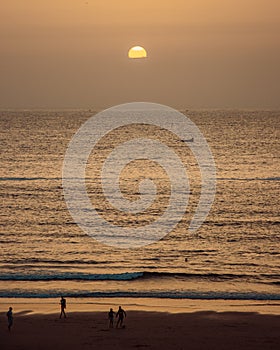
(120, 315)
(111, 314)
(62, 307)
(10, 318)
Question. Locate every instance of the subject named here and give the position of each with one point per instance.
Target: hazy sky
(201, 53)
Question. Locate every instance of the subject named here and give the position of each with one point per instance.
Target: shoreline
(173, 306)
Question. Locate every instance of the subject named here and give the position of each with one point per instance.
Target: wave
(69, 276)
(127, 276)
(142, 294)
(36, 178)
(27, 178)
(276, 178)
(28, 261)
(250, 178)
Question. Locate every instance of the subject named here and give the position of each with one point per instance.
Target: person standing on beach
(10, 318)
(111, 314)
(120, 315)
(62, 307)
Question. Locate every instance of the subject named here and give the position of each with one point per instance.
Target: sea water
(233, 255)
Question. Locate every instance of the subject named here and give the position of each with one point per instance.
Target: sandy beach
(199, 329)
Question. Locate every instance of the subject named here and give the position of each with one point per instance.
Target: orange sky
(202, 53)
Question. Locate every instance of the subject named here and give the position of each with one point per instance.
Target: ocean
(233, 255)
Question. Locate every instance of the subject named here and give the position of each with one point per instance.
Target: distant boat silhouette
(189, 140)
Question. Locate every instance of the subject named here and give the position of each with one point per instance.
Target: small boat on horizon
(189, 140)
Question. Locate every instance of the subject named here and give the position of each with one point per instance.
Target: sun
(137, 52)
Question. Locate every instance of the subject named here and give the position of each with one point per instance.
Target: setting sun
(137, 52)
